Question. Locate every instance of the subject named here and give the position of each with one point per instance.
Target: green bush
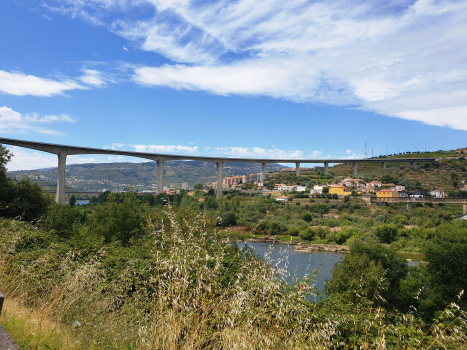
(387, 233)
(61, 218)
(229, 219)
(118, 220)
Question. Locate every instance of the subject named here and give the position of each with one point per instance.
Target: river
(298, 264)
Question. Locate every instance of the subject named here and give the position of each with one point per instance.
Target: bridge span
(62, 151)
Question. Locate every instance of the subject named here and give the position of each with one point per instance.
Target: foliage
(387, 233)
(119, 218)
(373, 266)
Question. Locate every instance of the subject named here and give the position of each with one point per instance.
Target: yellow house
(387, 194)
(339, 190)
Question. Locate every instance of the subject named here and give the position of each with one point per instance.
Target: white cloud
(117, 146)
(20, 84)
(124, 48)
(405, 59)
(92, 77)
(164, 148)
(13, 122)
(25, 159)
(348, 151)
(258, 152)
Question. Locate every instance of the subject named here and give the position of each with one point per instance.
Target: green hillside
(445, 173)
(95, 177)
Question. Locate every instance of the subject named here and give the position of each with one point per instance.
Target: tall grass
(183, 286)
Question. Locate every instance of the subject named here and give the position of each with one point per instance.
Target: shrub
(229, 219)
(118, 221)
(387, 233)
(307, 217)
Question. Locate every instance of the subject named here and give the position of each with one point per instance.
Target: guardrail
(1, 302)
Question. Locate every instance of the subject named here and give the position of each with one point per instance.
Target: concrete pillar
(355, 168)
(409, 207)
(160, 176)
(325, 168)
(60, 194)
(464, 209)
(263, 174)
(384, 165)
(220, 167)
(297, 168)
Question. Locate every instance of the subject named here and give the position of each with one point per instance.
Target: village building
(437, 193)
(386, 193)
(418, 194)
(339, 190)
(318, 188)
(284, 199)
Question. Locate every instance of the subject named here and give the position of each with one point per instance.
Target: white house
(437, 193)
(318, 188)
(300, 188)
(283, 199)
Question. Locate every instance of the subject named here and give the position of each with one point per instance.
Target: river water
(298, 264)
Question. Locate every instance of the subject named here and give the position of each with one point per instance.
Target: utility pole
(425, 147)
(365, 152)
(386, 151)
(372, 153)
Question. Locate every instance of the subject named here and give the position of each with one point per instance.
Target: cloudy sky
(248, 78)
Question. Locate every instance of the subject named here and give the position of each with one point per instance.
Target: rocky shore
(304, 247)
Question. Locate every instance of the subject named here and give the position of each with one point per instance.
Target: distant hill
(95, 177)
(447, 173)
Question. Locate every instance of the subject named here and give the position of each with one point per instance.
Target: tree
(22, 199)
(72, 201)
(308, 217)
(325, 189)
(387, 233)
(119, 218)
(199, 186)
(229, 219)
(367, 269)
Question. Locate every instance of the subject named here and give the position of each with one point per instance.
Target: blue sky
(271, 78)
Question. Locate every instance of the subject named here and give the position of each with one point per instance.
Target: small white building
(437, 193)
(300, 188)
(318, 188)
(284, 199)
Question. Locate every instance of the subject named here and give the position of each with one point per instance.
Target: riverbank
(303, 247)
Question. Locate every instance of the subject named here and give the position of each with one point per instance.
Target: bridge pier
(297, 169)
(464, 208)
(263, 174)
(355, 168)
(60, 194)
(220, 167)
(325, 168)
(160, 176)
(409, 207)
(384, 165)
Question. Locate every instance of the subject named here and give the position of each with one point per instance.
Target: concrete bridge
(433, 200)
(62, 151)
